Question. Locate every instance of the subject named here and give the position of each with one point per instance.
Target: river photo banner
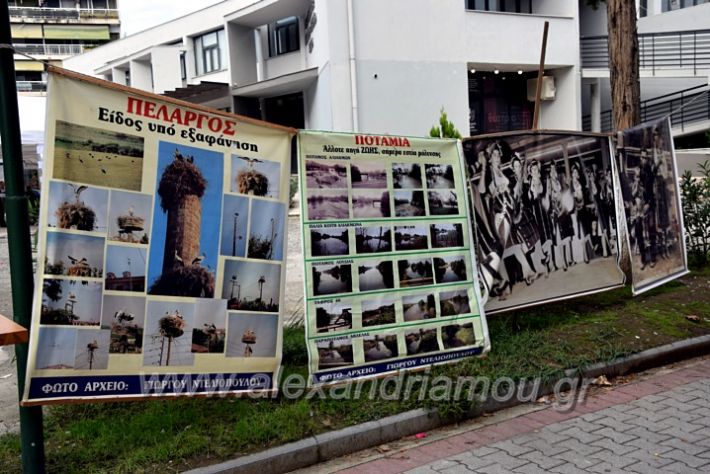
(390, 276)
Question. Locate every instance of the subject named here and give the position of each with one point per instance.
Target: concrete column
(259, 55)
(596, 106)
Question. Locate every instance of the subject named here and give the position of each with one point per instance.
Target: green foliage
(696, 213)
(445, 129)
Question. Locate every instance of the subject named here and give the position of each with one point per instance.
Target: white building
(391, 66)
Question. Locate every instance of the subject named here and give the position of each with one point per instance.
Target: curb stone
(322, 447)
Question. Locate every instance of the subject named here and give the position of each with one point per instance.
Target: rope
(15, 51)
(681, 107)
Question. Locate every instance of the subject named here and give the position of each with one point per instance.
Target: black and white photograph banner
(651, 195)
(544, 216)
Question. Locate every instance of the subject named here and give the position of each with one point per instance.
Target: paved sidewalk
(660, 424)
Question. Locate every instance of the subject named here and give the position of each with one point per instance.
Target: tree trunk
(624, 63)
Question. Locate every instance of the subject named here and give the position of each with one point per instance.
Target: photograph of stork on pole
(251, 286)
(186, 217)
(266, 233)
(168, 330)
(235, 217)
(124, 316)
(255, 176)
(129, 217)
(77, 207)
(125, 268)
(252, 335)
(74, 255)
(209, 331)
(91, 352)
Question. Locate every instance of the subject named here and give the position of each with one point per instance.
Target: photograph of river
(450, 269)
(328, 204)
(443, 203)
(409, 203)
(458, 335)
(418, 307)
(334, 316)
(333, 354)
(375, 275)
(446, 235)
(373, 239)
(368, 175)
(371, 203)
(407, 175)
(326, 174)
(330, 241)
(378, 311)
(454, 302)
(439, 176)
(330, 279)
(410, 237)
(380, 347)
(420, 341)
(415, 272)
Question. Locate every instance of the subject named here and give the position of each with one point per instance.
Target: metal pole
(18, 237)
(540, 73)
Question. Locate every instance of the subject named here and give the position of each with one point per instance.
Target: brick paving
(661, 424)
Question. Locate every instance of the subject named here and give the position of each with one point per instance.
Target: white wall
(242, 58)
(406, 97)
(691, 18)
(167, 74)
(592, 22)
(141, 75)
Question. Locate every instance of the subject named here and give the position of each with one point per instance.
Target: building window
(210, 52)
(508, 6)
(283, 36)
(670, 5)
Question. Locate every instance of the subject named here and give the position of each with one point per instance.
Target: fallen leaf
(602, 381)
(383, 448)
(693, 317)
(420, 435)
(327, 422)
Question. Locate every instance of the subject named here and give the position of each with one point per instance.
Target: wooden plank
(180, 103)
(11, 332)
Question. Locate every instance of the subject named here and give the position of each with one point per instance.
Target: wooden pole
(540, 73)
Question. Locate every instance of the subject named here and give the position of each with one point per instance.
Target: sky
(137, 15)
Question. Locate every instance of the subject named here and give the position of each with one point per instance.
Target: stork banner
(390, 279)
(651, 196)
(160, 262)
(545, 216)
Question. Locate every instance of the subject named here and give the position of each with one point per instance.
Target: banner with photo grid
(390, 276)
(160, 265)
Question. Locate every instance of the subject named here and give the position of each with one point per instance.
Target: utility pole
(234, 235)
(18, 237)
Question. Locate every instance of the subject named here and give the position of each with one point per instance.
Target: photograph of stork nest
(74, 255)
(129, 217)
(77, 207)
(124, 316)
(209, 333)
(186, 219)
(266, 235)
(168, 330)
(251, 286)
(95, 156)
(91, 351)
(256, 177)
(70, 303)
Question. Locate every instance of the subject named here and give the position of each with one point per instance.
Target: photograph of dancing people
(544, 218)
(649, 187)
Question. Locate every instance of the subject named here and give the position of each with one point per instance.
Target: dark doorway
(285, 110)
(498, 102)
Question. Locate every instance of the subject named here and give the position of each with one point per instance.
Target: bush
(696, 213)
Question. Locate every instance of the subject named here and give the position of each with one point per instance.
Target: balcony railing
(657, 51)
(686, 106)
(31, 86)
(38, 13)
(50, 49)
